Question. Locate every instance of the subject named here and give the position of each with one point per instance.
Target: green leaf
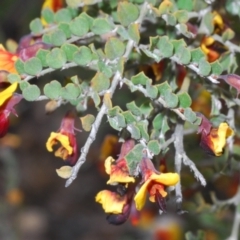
(70, 91)
(79, 26)
(102, 67)
(165, 47)
(132, 107)
(183, 54)
(88, 19)
(163, 87)
(134, 131)
(133, 31)
(134, 157)
(170, 98)
(154, 147)
(47, 38)
(228, 34)
(114, 48)
(185, 4)
(42, 55)
(69, 50)
(19, 65)
(170, 19)
(101, 26)
(23, 85)
(117, 122)
(197, 54)
(83, 56)
(185, 100)
(114, 111)
(63, 15)
(165, 127)
(183, 29)
(146, 108)
(87, 122)
(129, 118)
(13, 77)
(151, 90)
(123, 33)
(100, 82)
(33, 66)
(96, 99)
(58, 37)
(190, 115)
(204, 67)
(157, 121)
(36, 26)
(143, 129)
(48, 15)
(233, 7)
(166, 7)
(177, 44)
(206, 25)
(226, 61)
(127, 13)
(140, 78)
(56, 58)
(65, 27)
(216, 68)
(31, 93)
(53, 89)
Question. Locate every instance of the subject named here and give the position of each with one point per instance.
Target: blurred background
(34, 203)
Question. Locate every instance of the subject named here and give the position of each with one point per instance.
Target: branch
(141, 89)
(116, 79)
(93, 133)
(178, 144)
(235, 200)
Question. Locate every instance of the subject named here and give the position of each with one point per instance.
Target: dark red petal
(206, 143)
(161, 202)
(232, 79)
(29, 52)
(118, 219)
(205, 125)
(127, 146)
(4, 123)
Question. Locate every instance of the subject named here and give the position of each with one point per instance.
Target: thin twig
(93, 133)
(116, 80)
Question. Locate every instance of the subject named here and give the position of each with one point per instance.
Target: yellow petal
(167, 179)
(223, 132)
(140, 197)
(63, 139)
(7, 93)
(108, 164)
(111, 201)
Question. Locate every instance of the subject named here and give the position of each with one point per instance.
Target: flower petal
(7, 93)
(167, 179)
(7, 60)
(140, 197)
(219, 140)
(119, 172)
(111, 201)
(63, 139)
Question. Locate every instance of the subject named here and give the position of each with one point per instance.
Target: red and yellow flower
(154, 183)
(68, 149)
(8, 99)
(118, 170)
(7, 60)
(213, 140)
